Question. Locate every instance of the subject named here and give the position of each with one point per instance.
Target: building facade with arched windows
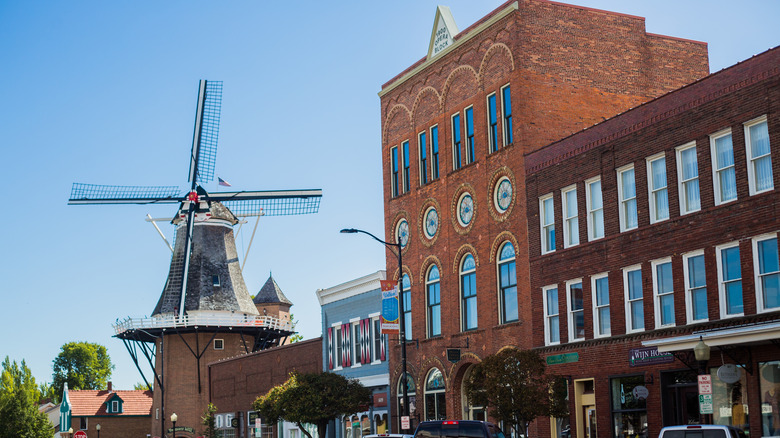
(456, 127)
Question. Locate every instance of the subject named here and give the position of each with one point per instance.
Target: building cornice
(351, 288)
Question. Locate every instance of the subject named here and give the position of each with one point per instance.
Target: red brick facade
(568, 67)
(729, 100)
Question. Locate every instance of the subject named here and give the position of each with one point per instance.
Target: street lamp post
(174, 417)
(702, 353)
(402, 320)
(97, 428)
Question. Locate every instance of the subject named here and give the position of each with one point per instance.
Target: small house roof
(86, 403)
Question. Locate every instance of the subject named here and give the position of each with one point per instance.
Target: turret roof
(271, 293)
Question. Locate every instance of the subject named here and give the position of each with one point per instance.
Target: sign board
(705, 404)
(640, 392)
(405, 422)
(648, 356)
(380, 400)
(558, 359)
(80, 434)
(389, 318)
(705, 384)
(453, 355)
(258, 427)
(729, 373)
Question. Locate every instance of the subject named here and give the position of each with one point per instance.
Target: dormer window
(114, 405)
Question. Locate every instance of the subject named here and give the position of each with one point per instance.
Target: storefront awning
(755, 333)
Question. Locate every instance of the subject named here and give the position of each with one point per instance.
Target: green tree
(19, 397)
(142, 386)
(83, 365)
(515, 388)
(313, 398)
(297, 336)
(49, 391)
(209, 421)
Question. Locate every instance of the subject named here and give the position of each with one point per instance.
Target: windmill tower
(205, 312)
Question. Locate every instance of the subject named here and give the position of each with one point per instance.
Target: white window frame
(404, 181)
(721, 283)
(570, 312)
(115, 407)
(596, 307)
(684, 209)
(420, 165)
(493, 147)
(751, 159)
(760, 304)
(336, 339)
(546, 247)
(628, 301)
(354, 323)
(548, 315)
(376, 355)
(622, 203)
(717, 189)
(464, 135)
(455, 164)
(221, 343)
(570, 239)
(656, 297)
(688, 290)
(589, 203)
(653, 193)
(504, 127)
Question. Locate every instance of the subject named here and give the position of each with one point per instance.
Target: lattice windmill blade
(270, 202)
(82, 194)
(204, 138)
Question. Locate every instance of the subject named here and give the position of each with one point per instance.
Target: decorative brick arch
(460, 253)
(392, 113)
(426, 264)
(463, 69)
(499, 240)
(458, 373)
(420, 96)
(494, 50)
(407, 271)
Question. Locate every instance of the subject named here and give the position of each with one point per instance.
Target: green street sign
(563, 358)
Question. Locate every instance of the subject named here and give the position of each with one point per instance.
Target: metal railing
(202, 320)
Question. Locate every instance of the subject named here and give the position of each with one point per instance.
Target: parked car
(701, 431)
(388, 435)
(457, 429)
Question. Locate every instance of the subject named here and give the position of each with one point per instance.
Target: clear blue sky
(104, 92)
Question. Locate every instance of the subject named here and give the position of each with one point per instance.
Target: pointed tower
(271, 301)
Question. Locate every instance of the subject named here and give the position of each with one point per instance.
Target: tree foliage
(313, 398)
(297, 337)
(209, 421)
(83, 365)
(19, 397)
(515, 388)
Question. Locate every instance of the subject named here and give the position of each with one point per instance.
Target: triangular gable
(114, 396)
(444, 31)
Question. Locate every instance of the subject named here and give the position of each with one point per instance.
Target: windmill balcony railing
(173, 321)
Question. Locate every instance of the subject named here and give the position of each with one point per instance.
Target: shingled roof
(87, 403)
(271, 293)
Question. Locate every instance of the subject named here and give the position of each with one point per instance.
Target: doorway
(680, 398)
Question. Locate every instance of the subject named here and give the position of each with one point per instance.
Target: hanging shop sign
(729, 373)
(389, 318)
(558, 359)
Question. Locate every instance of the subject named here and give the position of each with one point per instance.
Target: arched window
(507, 283)
(407, 296)
(434, 302)
(411, 391)
(472, 412)
(435, 406)
(468, 290)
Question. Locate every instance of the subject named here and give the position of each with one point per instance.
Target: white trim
(760, 304)
(376, 353)
(588, 203)
(686, 279)
(360, 285)
(595, 309)
(354, 346)
(547, 315)
(336, 339)
(749, 158)
(722, 286)
(684, 209)
(650, 193)
(569, 311)
(622, 203)
(734, 335)
(627, 298)
(657, 309)
(543, 225)
(716, 187)
(567, 237)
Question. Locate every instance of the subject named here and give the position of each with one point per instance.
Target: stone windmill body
(205, 312)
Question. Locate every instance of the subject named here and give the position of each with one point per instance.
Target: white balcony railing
(202, 320)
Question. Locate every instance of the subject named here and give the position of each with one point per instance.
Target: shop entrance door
(680, 398)
(590, 427)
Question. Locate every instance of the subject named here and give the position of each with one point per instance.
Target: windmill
(205, 294)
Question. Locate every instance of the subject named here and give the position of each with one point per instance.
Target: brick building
(118, 413)
(650, 232)
(455, 128)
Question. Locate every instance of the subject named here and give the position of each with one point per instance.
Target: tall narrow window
(470, 157)
(601, 322)
(547, 217)
(468, 288)
(688, 176)
(663, 290)
(767, 272)
(507, 281)
(635, 310)
(506, 108)
(759, 156)
(356, 344)
(394, 171)
(627, 192)
(595, 209)
(407, 179)
(338, 341)
(423, 154)
(723, 176)
(571, 225)
(492, 122)
(659, 196)
(435, 152)
(407, 292)
(729, 280)
(457, 151)
(434, 302)
(576, 312)
(552, 334)
(695, 286)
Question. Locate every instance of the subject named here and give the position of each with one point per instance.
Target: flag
(222, 182)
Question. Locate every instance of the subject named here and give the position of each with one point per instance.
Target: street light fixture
(97, 428)
(402, 321)
(174, 417)
(702, 353)
(70, 432)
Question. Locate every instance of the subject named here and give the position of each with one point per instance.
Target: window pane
(627, 182)
(602, 292)
(696, 276)
(555, 333)
(634, 284)
(763, 170)
(667, 310)
(769, 373)
(637, 315)
(659, 173)
(665, 278)
(690, 169)
(595, 195)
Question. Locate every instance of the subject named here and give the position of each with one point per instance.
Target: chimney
(109, 386)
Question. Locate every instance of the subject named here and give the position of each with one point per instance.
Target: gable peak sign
(444, 31)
